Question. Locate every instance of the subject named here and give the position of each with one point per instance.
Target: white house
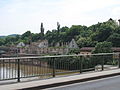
(73, 44)
(21, 44)
(43, 44)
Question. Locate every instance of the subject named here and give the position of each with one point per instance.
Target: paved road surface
(112, 83)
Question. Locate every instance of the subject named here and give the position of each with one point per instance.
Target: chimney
(119, 22)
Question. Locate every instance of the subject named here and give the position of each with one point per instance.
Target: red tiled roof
(115, 49)
(87, 49)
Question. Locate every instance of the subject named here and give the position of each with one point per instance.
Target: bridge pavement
(59, 81)
(110, 83)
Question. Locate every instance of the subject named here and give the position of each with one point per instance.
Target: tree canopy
(103, 47)
(85, 36)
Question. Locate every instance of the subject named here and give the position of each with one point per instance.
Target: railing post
(102, 62)
(53, 67)
(81, 63)
(18, 70)
(119, 60)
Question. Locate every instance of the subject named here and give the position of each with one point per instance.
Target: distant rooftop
(115, 49)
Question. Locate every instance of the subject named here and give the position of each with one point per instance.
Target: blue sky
(18, 16)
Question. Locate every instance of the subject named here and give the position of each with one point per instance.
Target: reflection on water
(8, 71)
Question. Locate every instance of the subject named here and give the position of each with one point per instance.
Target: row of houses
(42, 47)
(88, 50)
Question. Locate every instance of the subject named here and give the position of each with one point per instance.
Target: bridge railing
(51, 66)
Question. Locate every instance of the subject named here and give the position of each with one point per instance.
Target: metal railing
(51, 66)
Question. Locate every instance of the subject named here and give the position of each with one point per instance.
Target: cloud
(116, 10)
(17, 16)
(76, 8)
(88, 12)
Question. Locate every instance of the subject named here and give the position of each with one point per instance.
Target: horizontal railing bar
(56, 56)
(67, 71)
(7, 79)
(50, 66)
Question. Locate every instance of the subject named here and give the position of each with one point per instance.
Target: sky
(19, 16)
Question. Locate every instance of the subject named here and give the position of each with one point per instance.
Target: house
(72, 44)
(21, 44)
(43, 44)
(41, 48)
(88, 50)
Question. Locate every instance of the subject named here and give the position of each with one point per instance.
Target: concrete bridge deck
(58, 81)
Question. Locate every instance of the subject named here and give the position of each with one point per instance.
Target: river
(9, 71)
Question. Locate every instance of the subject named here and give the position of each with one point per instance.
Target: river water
(9, 71)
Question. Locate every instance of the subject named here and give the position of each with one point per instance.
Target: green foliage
(86, 42)
(74, 51)
(103, 47)
(36, 37)
(115, 39)
(2, 41)
(64, 29)
(85, 36)
(73, 32)
(102, 35)
(26, 34)
(104, 30)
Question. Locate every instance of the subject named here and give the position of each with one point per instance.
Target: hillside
(85, 36)
(12, 35)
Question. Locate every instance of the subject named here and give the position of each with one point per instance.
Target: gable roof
(73, 44)
(21, 44)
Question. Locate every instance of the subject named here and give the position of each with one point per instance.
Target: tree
(73, 32)
(52, 37)
(2, 41)
(102, 35)
(64, 29)
(58, 27)
(103, 47)
(74, 51)
(36, 37)
(117, 30)
(114, 39)
(26, 34)
(85, 36)
(104, 30)
(42, 31)
(86, 42)
(10, 40)
(27, 37)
